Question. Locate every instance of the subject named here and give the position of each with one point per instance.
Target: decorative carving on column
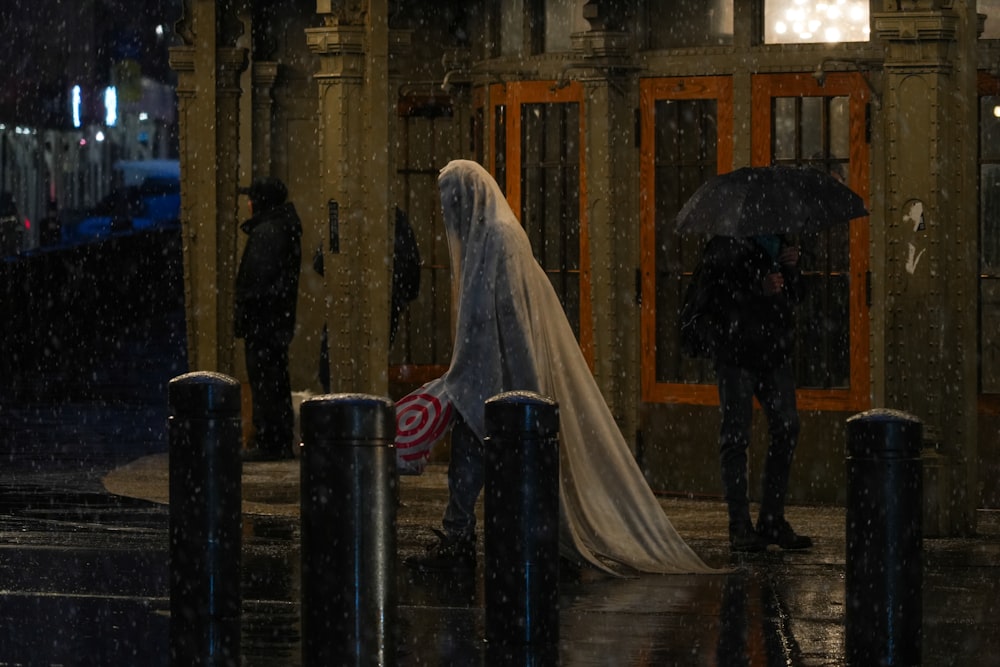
(917, 40)
(606, 38)
(264, 76)
(603, 15)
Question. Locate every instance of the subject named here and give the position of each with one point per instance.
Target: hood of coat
(285, 213)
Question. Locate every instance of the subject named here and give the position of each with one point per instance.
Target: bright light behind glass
(110, 106)
(811, 21)
(76, 106)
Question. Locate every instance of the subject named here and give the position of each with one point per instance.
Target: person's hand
(772, 284)
(789, 256)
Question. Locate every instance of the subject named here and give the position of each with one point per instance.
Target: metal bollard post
(348, 505)
(521, 508)
(884, 539)
(205, 519)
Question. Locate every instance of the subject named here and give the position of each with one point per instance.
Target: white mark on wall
(913, 258)
(914, 214)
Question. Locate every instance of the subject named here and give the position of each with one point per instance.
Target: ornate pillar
(208, 91)
(263, 75)
(930, 218)
(601, 60)
(352, 47)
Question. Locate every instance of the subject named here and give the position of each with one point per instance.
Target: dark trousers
(775, 390)
(271, 392)
(466, 477)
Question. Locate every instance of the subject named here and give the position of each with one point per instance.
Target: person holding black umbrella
(743, 296)
(753, 284)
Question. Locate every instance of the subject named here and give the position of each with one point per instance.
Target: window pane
(813, 131)
(989, 183)
(815, 21)
(989, 128)
(685, 157)
(550, 196)
(989, 245)
(424, 333)
(989, 214)
(683, 24)
(785, 128)
(989, 309)
(810, 128)
(500, 142)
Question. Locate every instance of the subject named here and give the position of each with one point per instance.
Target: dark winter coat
(755, 331)
(267, 281)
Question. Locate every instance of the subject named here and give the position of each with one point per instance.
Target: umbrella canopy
(769, 200)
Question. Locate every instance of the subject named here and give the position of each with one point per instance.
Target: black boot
(452, 552)
(778, 531)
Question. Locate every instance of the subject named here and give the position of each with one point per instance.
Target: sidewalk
(776, 608)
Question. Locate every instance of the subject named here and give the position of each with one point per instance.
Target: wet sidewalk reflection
(84, 581)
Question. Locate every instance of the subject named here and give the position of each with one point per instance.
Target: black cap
(266, 193)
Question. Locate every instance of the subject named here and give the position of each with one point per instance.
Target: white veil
(512, 334)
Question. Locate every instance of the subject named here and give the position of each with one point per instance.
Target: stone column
(352, 47)
(930, 217)
(601, 58)
(208, 92)
(263, 76)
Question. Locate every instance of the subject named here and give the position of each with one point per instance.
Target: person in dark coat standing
(754, 284)
(267, 284)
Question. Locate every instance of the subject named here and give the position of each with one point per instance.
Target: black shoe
(743, 538)
(258, 455)
(780, 532)
(450, 553)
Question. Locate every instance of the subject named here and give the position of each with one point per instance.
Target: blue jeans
(775, 390)
(465, 481)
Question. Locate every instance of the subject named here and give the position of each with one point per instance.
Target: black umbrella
(769, 200)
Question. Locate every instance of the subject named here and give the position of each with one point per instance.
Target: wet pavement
(84, 580)
(84, 573)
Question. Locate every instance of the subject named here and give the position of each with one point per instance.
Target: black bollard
(348, 504)
(205, 519)
(521, 508)
(884, 539)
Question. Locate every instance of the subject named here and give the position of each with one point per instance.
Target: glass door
(537, 158)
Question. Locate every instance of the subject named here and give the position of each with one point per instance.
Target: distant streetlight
(110, 106)
(77, 103)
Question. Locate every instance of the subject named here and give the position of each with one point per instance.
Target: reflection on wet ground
(84, 580)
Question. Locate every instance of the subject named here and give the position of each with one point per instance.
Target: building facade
(599, 118)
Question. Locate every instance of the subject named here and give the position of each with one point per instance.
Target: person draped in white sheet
(512, 334)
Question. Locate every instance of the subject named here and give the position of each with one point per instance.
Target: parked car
(155, 201)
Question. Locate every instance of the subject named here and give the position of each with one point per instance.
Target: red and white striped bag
(422, 418)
